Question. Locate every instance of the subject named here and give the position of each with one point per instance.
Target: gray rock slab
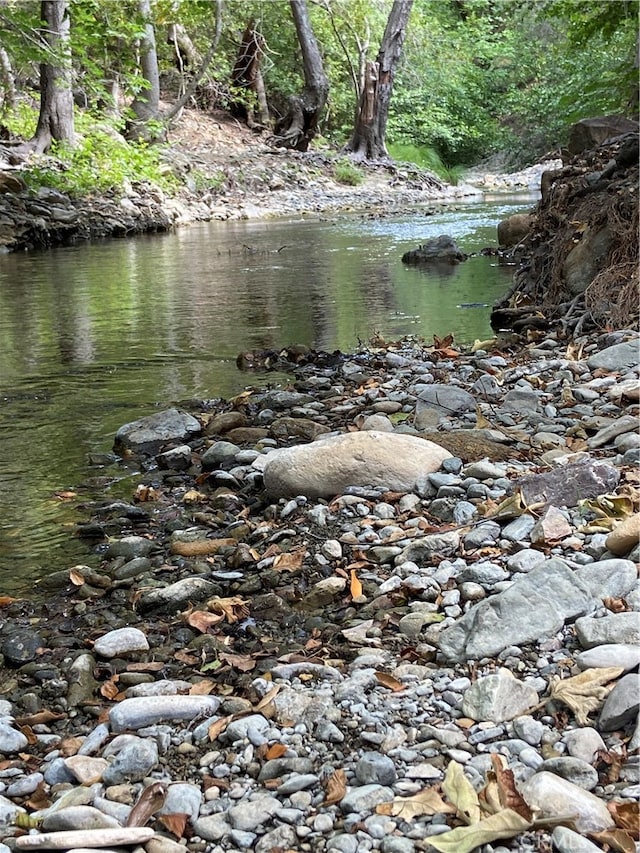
(365, 798)
(535, 606)
(574, 770)
(569, 484)
(150, 433)
(583, 743)
(625, 655)
(445, 400)
(177, 594)
(421, 550)
(620, 426)
(498, 697)
(326, 467)
(565, 840)
(622, 704)
(617, 358)
(617, 628)
(121, 641)
(134, 761)
(609, 578)
(146, 711)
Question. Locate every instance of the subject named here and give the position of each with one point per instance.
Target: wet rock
(555, 796)
(326, 467)
(442, 249)
(176, 459)
(130, 547)
(498, 697)
(514, 228)
(20, 645)
(535, 606)
(177, 595)
(568, 485)
(148, 434)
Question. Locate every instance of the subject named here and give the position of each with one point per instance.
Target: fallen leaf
(268, 697)
(276, 750)
(615, 605)
(245, 663)
(218, 726)
(151, 799)
(584, 693)
(617, 839)
(202, 688)
(76, 577)
(626, 816)
(110, 689)
(355, 588)
(175, 823)
(464, 839)
(511, 507)
(39, 718)
(389, 681)
(202, 621)
(30, 735)
(7, 599)
(39, 799)
(193, 496)
(426, 802)
(186, 657)
(335, 787)
(510, 797)
(200, 547)
(459, 791)
(232, 609)
(290, 561)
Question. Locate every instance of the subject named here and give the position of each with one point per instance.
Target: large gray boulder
(326, 467)
(147, 435)
(591, 132)
(514, 228)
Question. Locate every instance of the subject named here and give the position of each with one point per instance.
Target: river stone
(622, 704)
(498, 697)
(441, 249)
(150, 433)
(365, 798)
(11, 740)
(565, 840)
(618, 358)
(146, 711)
(445, 400)
(616, 628)
(608, 433)
(77, 817)
(573, 770)
(177, 594)
(569, 484)
(326, 467)
(534, 606)
(556, 797)
(20, 645)
(584, 743)
(625, 536)
(121, 641)
(625, 655)
(608, 578)
(375, 768)
(134, 761)
(81, 681)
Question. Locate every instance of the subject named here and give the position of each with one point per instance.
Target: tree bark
(55, 121)
(301, 124)
(368, 139)
(146, 104)
(247, 75)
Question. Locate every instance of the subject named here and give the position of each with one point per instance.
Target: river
(97, 335)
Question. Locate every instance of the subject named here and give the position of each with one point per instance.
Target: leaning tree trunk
(368, 140)
(247, 77)
(55, 121)
(301, 123)
(146, 104)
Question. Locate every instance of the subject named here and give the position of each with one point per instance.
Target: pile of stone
(408, 578)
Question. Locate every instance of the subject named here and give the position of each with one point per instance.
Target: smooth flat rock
(618, 358)
(535, 606)
(120, 641)
(146, 711)
(625, 536)
(446, 400)
(565, 840)
(150, 433)
(326, 467)
(569, 484)
(498, 697)
(622, 704)
(625, 655)
(616, 628)
(556, 797)
(608, 578)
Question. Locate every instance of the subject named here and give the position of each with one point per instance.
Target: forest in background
(474, 78)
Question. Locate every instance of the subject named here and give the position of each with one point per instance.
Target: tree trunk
(56, 96)
(247, 75)
(7, 80)
(146, 104)
(301, 124)
(368, 140)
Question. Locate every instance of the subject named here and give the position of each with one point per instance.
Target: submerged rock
(150, 433)
(442, 249)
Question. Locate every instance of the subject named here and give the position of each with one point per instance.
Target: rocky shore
(392, 605)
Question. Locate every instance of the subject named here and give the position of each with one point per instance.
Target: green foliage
(426, 157)
(21, 121)
(345, 172)
(102, 161)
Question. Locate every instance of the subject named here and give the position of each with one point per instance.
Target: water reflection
(96, 335)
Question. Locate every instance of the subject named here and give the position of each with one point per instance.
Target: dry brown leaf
(464, 839)
(110, 689)
(151, 799)
(511, 507)
(175, 823)
(203, 621)
(39, 718)
(335, 787)
(39, 799)
(627, 817)
(510, 797)
(30, 735)
(193, 496)
(268, 697)
(70, 746)
(355, 586)
(426, 802)
(276, 750)
(616, 839)
(200, 547)
(245, 663)
(202, 688)
(389, 681)
(290, 561)
(459, 791)
(186, 657)
(145, 666)
(585, 692)
(615, 605)
(232, 609)
(218, 726)
(75, 576)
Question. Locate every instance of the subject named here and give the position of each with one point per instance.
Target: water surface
(95, 335)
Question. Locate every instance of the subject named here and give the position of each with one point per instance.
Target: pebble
(468, 607)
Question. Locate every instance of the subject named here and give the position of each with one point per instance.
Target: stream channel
(95, 335)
